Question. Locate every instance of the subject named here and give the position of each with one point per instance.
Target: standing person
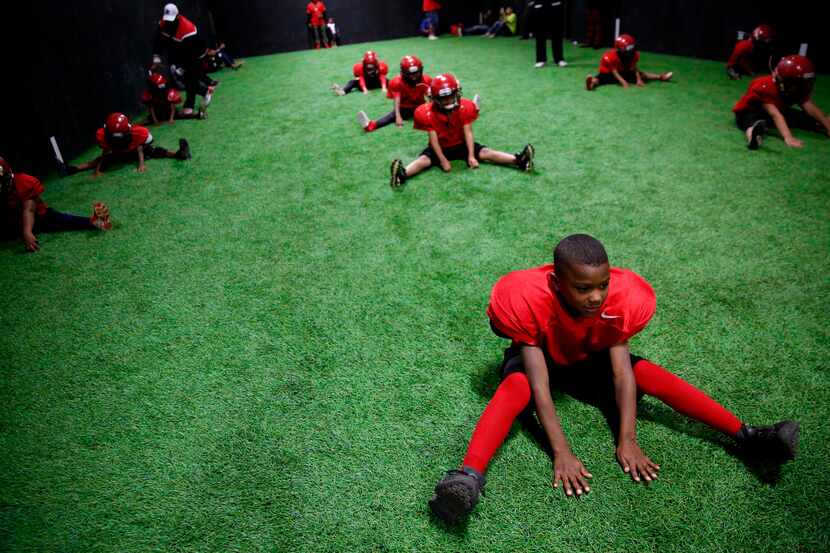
(751, 55)
(548, 21)
(569, 324)
(23, 212)
(429, 25)
(333, 33)
(186, 50)
(408, 91)
(369, 73)
(769, 100)
(620, 66)
(316, 22)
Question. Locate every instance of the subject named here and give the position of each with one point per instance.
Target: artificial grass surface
(272, 351)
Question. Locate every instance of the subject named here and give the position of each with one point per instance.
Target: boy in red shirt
(316, 21)
(769, 100)
(161, 101)
(370, 72)
(408, 91)
(24, 213)
(620, 66)
(751, 55)
(121, 141)
(569, 324)
(448, 119)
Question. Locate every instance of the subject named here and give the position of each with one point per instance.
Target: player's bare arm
(815, 112)
(470, 143)
(398, 118)
(140, 152)
(631, 458)
(639, 74)
(153, 115)
(29, 238)
(619, 78)
(781, 125)
(446, 166)
(568, 470)
(99, 162)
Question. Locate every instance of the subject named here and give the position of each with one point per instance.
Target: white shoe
(477, 101)
(363, 119)
(539, 64)
(563, 63)
(433, 37)
(337, 89)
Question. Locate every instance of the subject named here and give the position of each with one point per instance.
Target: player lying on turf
(408, 91)
(569, 324)
(448, 119)
(620, 66)
(121, 141)
(769, 100)
(370, 73)
(161, 101)
(751, 55)
(25, 214)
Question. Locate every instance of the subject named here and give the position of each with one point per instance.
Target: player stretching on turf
(569, 324)
(369, 73)
(408, 91)
(769, 100)
(620, 66)
(449, 121)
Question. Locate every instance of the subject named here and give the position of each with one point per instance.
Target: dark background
(80, 60)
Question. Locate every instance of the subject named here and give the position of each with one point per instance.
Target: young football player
(122, 141)
(751, 55)
(25, 214)
(407, 90)
(448, 120)
(619, 65)
(370, 73)
(316, 21)
(769, 100)
(161, 101)
(570, 323)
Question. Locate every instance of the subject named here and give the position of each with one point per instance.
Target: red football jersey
(316, 10)
(430, 6)
(762, 90)
(161, 100)
(523, 307)
(26, 187)
(411, 96)
(611, 61)
(139, 136)
(184, 29)
(743, 50)
(449, 126)
(357, 69)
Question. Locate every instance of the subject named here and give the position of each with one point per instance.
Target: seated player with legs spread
(448, 119)
(751, 55)
(370, 73)
(619, 66)
(769, 100)
(121, 141)
(569, 324)
(161, 101)
(408, 91)
(25, 214)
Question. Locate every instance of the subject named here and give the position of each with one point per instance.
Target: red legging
(513, 395)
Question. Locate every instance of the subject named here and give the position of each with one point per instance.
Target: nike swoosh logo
(605, 315)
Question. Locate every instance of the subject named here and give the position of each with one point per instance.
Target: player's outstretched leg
(338, 90)
(456, 494)
(524, 159)
(755, 134)
(184, 150)
(591, 82)
(368, 124)
(397, 174)
(100, 218)
(777, 442)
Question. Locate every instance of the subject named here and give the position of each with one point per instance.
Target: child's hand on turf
(446, 166)
(398, 121)
(794, 142)
(640, 83)
(472, 162)
(635, 462)
(569, 471)
(140, 168)
(31, 242)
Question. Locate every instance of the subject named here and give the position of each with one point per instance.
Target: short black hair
(579, 249)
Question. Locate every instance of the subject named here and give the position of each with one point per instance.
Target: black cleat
(457, 494)
(524, 160)
(66, 170)
(777, 442)
(184, 150)
(397, 174)
(756, 133)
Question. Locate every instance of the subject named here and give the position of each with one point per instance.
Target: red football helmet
(6, 174)
(157, 81)
(625, 44)
(412, 69)
(795, 76)
(445, 91)
(762, 33)
(370, 62)
(117, 130)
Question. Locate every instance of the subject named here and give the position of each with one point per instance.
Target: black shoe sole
(451, 502)
(757, 130)
(184, 150)
(395, 179)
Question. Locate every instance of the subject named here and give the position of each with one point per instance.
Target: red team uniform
(163, 102)
(611, 62)
(316, 18)
(449, 126)
(751, 55)
(365, 81)
(409, 90)
(411, 96)
(138, 136)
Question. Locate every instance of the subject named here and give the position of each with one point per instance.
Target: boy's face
(582, 288)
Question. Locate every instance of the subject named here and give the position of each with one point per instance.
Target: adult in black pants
(548, 21)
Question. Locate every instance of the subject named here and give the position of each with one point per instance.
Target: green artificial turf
(273, 351)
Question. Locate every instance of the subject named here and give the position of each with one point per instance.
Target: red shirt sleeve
(742, 48)
(642, 303)
(101, 139)
(511, 314)
(146, 97)
(384, 69)
(309, 8)
(27, 186)
(608, 63)
(469, 112)
(394, 88)
(174, 97)
(357, 70)
(139, 136)
(422, 119)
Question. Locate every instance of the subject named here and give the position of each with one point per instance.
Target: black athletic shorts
(453, 152)
(609, 78)
(796, 118)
